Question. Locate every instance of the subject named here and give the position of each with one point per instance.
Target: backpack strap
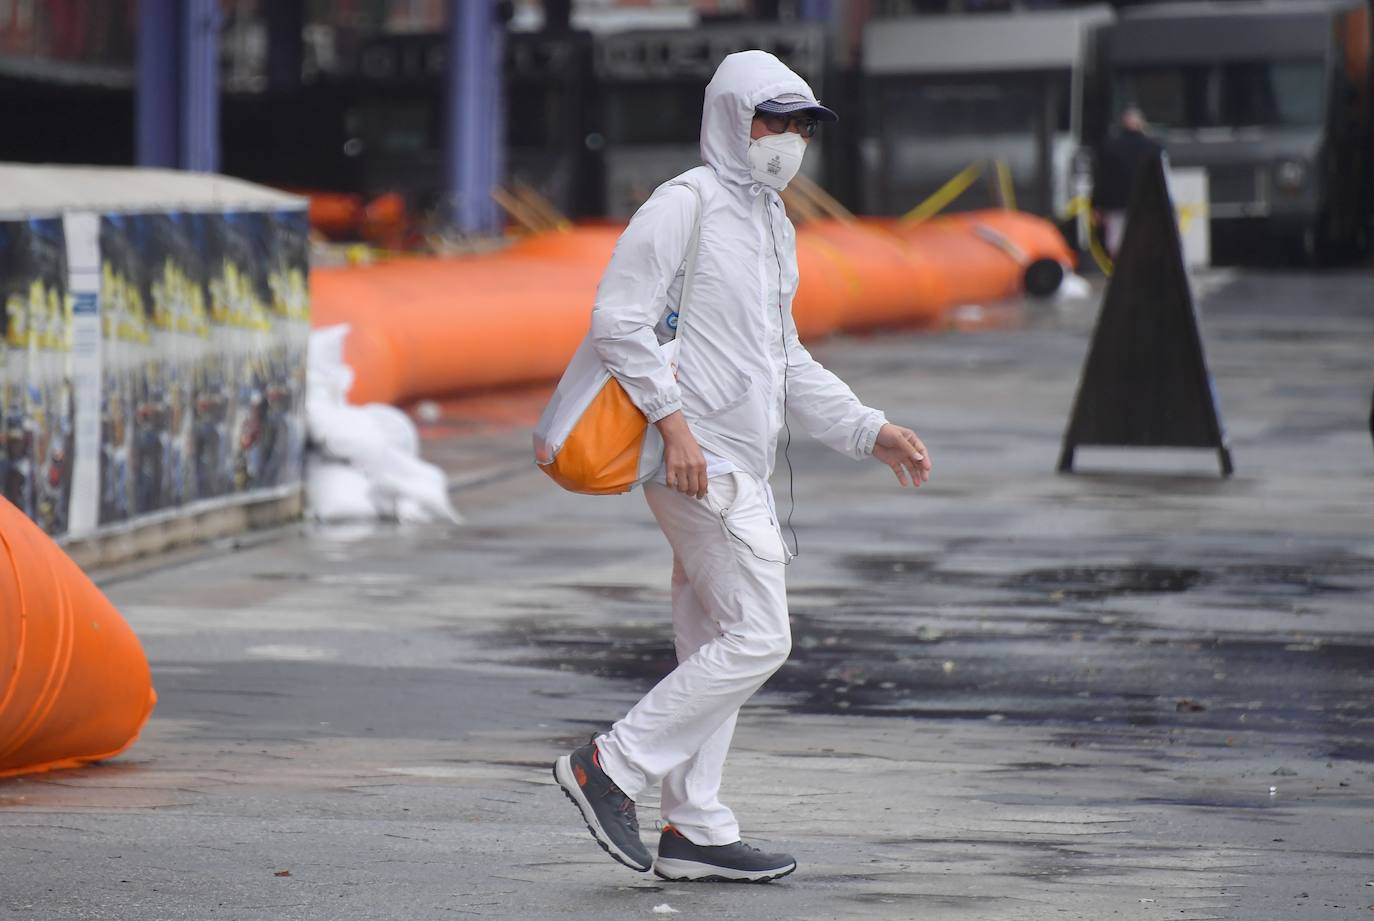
(693, 245)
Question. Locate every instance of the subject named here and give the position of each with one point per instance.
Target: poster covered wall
(193, 362)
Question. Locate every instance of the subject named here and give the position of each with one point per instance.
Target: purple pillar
(200, 86)
(177, 99)
(474, 131)
(155, 108)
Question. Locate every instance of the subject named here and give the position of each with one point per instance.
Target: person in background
(1118, 162)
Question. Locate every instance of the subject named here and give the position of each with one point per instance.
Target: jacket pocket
(746, 390)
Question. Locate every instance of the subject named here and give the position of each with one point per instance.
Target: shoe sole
(689, 871)
(562, 772)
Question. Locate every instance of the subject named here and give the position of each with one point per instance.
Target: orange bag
(591, 437)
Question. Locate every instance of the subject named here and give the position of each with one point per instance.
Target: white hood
(741, 82)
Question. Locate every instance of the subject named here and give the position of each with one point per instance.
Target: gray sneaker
(608, 812)
(681, 860)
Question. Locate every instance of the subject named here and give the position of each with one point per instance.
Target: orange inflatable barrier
(74, 683)
(1037, 238)
(894, 284)
(984, 255)
(972, 271)
(334, 214)
(586, 246)
(827, 289)
(426, 327)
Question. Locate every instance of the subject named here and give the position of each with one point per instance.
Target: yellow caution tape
(1186, 215)
(944, 195)
(1099, 254)
(1004, 184)
(1076, 206)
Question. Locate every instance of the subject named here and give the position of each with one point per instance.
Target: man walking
(740, 369)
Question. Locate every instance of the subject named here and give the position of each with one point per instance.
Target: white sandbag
(364, 460)
(394, 427)
(425, 497)
(327, 374)
(335, 492)
(1075, 287)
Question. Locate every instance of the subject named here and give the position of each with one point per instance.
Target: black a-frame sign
(1145, 382)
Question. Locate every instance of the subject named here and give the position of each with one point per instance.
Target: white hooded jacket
(738, 358)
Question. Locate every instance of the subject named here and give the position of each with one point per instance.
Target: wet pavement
(1139, 691)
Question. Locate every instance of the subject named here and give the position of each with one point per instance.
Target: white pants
(731, 632)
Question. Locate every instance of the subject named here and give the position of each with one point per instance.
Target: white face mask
(775, 158)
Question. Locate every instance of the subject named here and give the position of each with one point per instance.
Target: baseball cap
(788, 103)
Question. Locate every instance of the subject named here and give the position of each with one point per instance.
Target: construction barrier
(426, 327)
(74, 683)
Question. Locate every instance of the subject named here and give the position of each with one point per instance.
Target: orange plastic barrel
(74, 682)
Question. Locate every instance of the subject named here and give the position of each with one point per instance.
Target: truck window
(1288, 93)
(975, 105)
(1233, 94)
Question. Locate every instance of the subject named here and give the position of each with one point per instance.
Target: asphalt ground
(1138, 691)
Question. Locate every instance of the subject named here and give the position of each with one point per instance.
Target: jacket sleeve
(633, 293)
(827, 409)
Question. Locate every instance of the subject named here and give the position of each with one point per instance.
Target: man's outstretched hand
(901, 450)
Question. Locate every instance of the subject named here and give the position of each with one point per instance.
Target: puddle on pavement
(1084, 675)
(1215, 800)
(1159, 688)
(1096, 583)
(1104, 582)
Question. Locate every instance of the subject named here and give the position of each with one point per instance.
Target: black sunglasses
(807, 125)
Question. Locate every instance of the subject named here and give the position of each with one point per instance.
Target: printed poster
(260, 320)
(36, 400)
